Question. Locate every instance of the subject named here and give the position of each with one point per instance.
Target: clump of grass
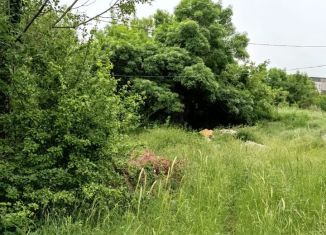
(247, 135)
(294, 118)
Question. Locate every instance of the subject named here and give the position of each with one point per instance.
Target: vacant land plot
(228, 186)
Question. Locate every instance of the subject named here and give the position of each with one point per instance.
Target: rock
(228, 132)
(207, 133)
(254, 144)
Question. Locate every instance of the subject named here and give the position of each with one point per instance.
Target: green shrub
(245, 95)
(55, 157)
(246, 135)
(322, 102)
(296, 89)
(294, 118)
(158, 101)
(61, 145)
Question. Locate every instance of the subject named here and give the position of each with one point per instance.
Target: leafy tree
(187, 35)
(162, 18)
(245, 94)
(213, 31)
(302, 90)
(322, 102)
(61, 140)
(277, 79)
(149, 66)
(191, 57)
(296, 89)
(159, 101)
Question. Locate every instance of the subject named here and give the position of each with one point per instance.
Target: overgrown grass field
(228, 187)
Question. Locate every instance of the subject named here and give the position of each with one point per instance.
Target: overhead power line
(155, 76)
(286, 45)
(309, 67)
(250, 43)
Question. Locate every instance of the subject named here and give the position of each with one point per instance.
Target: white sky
(298, 22)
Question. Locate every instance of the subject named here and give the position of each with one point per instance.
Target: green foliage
(162, 18)
(245, 94)
(228, 187)
(62, 136)
(66, 105)
(191, 59)
(158, 100)
(294, 89)
(199, 77)
(294, 119)
(205, 29)
(302, 90)
(247, 135)
(186, 34)
(322, 102)
(6, 36)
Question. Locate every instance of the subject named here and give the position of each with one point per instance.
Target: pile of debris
(160, 165)
(150, 168)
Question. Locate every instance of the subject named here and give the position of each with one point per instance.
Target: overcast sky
(295, 22)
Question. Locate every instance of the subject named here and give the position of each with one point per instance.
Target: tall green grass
(228, 187)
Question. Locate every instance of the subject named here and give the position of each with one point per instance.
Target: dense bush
(62, 131)
(245, 94)
(322, 102)
(294, 89)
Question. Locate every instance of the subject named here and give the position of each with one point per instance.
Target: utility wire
(256, 44)
(309, 67)
(250, 43)
(154, 76)
(286, 45)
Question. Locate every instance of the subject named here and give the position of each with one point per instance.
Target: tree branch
(85, 4)
(98, 15)
(38, 13)
(65, 13)
(92, 18)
